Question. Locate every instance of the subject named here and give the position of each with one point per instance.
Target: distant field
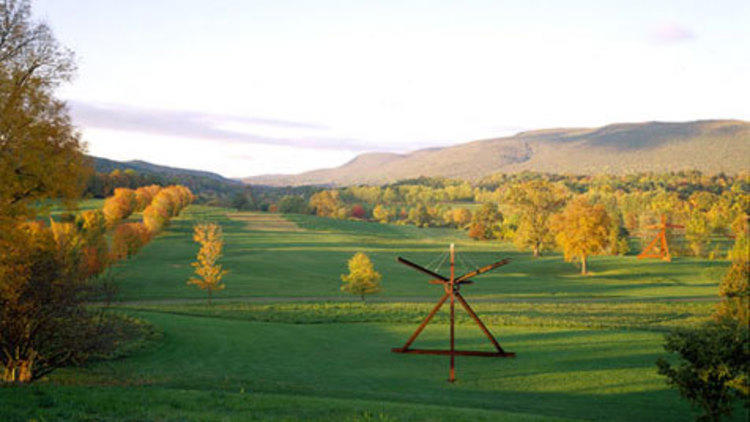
(282, 342)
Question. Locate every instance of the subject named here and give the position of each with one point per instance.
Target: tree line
(580, 215)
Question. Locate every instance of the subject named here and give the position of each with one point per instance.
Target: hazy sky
(245, 87)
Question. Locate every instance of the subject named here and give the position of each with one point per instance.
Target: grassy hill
(710, 146)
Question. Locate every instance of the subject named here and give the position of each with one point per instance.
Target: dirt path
(268, 222)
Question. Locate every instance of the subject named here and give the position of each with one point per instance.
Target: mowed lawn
(306, 259)
(284, 343)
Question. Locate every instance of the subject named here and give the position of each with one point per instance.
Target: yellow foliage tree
(382, 214)
(362, 278)
(326, 203)
(581, 230)
(209, 273)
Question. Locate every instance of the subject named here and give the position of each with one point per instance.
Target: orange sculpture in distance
(663, 248)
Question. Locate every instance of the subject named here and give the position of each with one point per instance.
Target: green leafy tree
(535, 201)
(715, 358)
(698, 233)
(713, 367)
(293, 204)
(362, 278)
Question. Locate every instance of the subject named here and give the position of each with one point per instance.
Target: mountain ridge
(711, 146)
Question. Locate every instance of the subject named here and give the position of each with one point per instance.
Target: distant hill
(105, 165)
(710, 146)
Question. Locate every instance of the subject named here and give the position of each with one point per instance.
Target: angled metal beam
(421, 268)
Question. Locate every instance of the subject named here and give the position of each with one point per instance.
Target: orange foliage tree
(209, 273)
(144, 195)
(128, 239)
(119, 206)
(92, 227)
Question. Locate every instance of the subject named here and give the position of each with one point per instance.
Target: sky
(249, 87)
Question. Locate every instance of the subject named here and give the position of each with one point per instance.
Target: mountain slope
(105, 165)
(710, 146)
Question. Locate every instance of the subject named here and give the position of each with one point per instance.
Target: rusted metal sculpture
(661, 238)
(452, 286)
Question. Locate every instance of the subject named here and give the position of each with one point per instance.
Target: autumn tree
(128, 239)
(326, 203)
(382, 213)
(41, 156)
(486, 221)
(208, 272)
(44, 323)
(92, 227)
(460, 217)
(362, 278)
(582, 230)
(535, 202)
(144, 195)
(120, 205)
(358, 211)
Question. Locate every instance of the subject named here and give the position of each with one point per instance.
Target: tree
(119, 206)
(209, 272)
(461, 217)
(382, 214)
(536, 201)
(128, 239)
(358, 211)
(326, 203)
(44, 323)
(293, 204)
(715, 358)
(581, 230)
(698, 233)
(713, 368)
(419, 215)
(41, 155)
(486, 222)
(362, 278)
(734, 290)
(92, 227)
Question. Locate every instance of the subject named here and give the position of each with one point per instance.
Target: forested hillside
(710, 146)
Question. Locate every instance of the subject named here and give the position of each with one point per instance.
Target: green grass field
(282, 342)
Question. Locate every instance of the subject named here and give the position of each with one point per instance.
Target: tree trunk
(583, 264)
(17, 371)
(209, 297)
(536, 250)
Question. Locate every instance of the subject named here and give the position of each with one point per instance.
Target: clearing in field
(261, 221)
